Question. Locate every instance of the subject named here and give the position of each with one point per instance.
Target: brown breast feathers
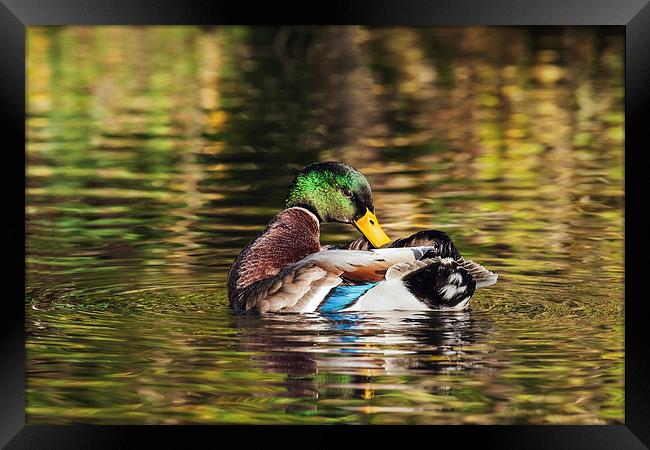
(292, 235)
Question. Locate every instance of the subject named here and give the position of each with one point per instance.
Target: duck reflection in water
(321, 355)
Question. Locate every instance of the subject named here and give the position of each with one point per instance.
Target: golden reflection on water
(155, 153)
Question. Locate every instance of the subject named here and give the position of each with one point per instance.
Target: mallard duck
(284, 269)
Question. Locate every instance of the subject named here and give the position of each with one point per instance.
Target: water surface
(155, 154)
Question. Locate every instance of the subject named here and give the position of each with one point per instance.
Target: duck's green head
(335, 192)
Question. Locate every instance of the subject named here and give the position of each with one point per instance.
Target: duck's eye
(347, 192)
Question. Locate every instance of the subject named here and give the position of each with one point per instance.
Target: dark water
(155, 154)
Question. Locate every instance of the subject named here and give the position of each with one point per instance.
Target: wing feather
(302, 285)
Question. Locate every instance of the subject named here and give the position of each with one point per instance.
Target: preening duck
(284, 269)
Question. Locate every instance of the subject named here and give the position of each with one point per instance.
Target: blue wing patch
(344, 296)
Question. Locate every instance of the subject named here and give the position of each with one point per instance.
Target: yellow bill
(369, 226)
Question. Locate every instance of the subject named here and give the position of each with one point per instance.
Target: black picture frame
(633, 15)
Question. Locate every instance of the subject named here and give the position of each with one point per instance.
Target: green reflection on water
(155, 154)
